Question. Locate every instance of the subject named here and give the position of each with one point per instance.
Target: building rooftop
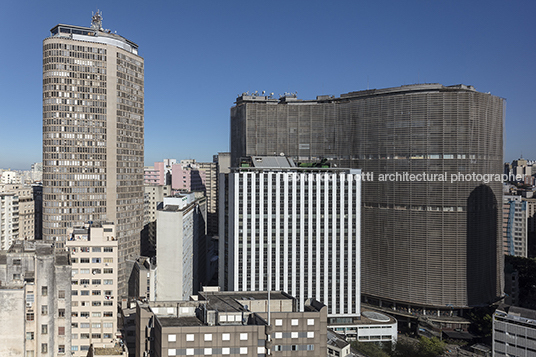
(336, 340)
(166, 321)
(516, 312)
(231, 300)
(95, 33)
(108, 351)
(291, 98)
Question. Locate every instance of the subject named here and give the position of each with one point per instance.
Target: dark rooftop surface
(180, 321)
(228, 301)
(522, 312)
(336, 340)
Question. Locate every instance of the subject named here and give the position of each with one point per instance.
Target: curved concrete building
(431, 234)
(93, 122)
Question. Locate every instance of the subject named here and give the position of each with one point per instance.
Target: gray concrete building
(93, 122)
(232, 323)
(426, 238)
(514, 331)
(180, 253)
(35, 308)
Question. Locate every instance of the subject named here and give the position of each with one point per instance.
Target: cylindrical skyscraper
(93, 135)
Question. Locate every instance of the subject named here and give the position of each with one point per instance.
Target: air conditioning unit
(29, 304)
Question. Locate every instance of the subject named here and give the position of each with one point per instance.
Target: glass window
(44, 329)
(190, 337)
(208, 337)
(172, 338)
(243, 337)
(44, 310)
(44, 290)
(29, 335)
(225, 336)
(294, 322)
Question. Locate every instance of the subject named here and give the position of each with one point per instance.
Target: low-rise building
(232, 323)
(514, 331)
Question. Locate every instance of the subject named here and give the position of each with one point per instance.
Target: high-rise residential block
(93, 130)
(35, 304)
(429, 241)
(94, 252)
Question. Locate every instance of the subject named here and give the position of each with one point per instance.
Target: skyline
(200, 56)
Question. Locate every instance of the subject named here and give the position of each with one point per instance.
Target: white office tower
(302, 223)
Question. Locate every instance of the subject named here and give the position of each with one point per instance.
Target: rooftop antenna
(96, 21)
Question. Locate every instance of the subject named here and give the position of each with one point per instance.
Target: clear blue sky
(199, 55)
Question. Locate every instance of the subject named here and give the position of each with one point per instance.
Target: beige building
(9, 219)
(231, 323)
(35, 301)
(26, 208)
(93, 120)
(94, 251)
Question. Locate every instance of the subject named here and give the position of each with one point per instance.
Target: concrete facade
(514, 331)
(9, 219)
(426, 241)
(94, 259)
(93, 125)
(181, 230)
(26, 210)
(515, 220)
(227, 323)
(40, 279)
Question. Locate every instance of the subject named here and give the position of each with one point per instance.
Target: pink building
(155, 175)
(185, 178)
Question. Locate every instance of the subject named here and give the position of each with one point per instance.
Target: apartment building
(94, 258)
(515, 230)
(35, 308)
(9, 219)
(93, 120)
(26, 208)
